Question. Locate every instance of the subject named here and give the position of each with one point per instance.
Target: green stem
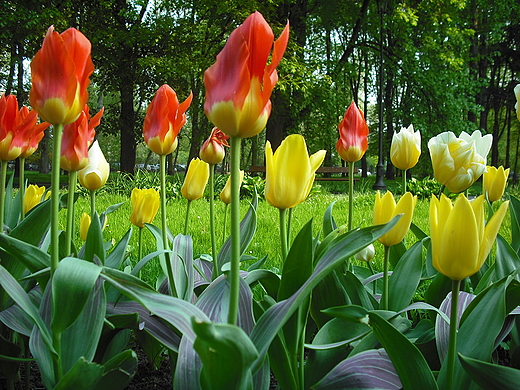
(187, 218)
(374, 283)
(404, 181)
(22, 187)
(224, 230)
(283, 233)
(73, 178)
(56, 343)
(3, 179)
(301, 327)
(235, 143)
(212, 219)
(166, 246)
(55, 196)
(289, 224)
(140, 248)
(384, 298)
(452, 346)
(350, 194)
(92, 203)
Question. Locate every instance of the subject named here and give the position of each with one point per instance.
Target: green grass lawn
(266, 240)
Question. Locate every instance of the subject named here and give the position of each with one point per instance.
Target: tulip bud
(84, 225)
(366, 254)
(225, 194)
(495, 181)
(195, 180)
(406, 148)
(95, 174)
(212, 151)
(145, 204)
(33, 197)
(290, 172)
(460, 239)
(353, 135)
(385, 209)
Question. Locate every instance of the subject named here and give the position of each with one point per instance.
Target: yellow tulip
(290, 172)
(461, 241)
(385, 209)
(495, 181)
(95, 174)
(84, 225)
(406, 148)
(225, 194)
(459, 162)
(145, 204)
(195, 180)
(33, 196)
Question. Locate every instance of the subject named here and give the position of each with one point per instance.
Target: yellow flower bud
(495, 181)
(290, 172)
(385, 209)
(33, 196)
(460, 239)
(406, 148)
(84, 225)
(95, 174)
(195, 180)
(145, 204)
(225, 194)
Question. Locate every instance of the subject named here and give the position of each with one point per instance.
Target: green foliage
(424, 188)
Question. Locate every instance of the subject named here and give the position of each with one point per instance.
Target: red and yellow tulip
(212, 150)
(164, 119)
(77, 138)
(60, 73)
(240, 83)
(353, 135)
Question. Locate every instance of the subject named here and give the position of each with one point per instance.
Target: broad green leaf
(329, 224)
(408, 361)
(491, 376)
(506, 259)
(351, 313)
(72, 283)
(94, 245)
(339, 251)
(83, 376)
(514, 210)
(182, 266)
(406, 277)
(227, 355)
(268, 279)
(118, 371)
(367, 370)
(116, 257)
(357, 292)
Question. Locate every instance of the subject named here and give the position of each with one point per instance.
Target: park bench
(342, 171)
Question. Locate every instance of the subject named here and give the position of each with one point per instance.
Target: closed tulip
(240, 83)
(456, 162)
(145, 204)
(60, 73)
(196, 179)
(95, 174)
(225, 194)
(406, 148)
(366, 254)
(212, 150)
(164, 119)
(16, 128)
(32, 198)
(290, 172)
(385, 209)
(495, 181)
(84, 225)
(460, 239)
(353, 135)
(517, 104)
(77, 138)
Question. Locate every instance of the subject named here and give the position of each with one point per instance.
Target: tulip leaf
(72, 284)
(491, 376)
(118, 371)
(338, 252)
(357, 292)
(329, 224)
(15, 318)
(11, 205)
(514, 209)
(371, 369)
(182, 266)
(227, 355)
(82, 376)
(406, 277)
(408, 361)
(94, 245)
(116, 257)
(351, 313)
(506, 259)
(268, 279)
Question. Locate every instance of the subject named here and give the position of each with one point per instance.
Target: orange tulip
(353, 135)
(16, 128)
(212, 150)
(35, 132)
(77, 138)
(60, 73)
(239, 84)
(164, 119)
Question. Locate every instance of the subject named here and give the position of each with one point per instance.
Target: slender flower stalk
(187, 218)
(21, 181)
(454, 325)
(384, 298)
(350, 194)
(3, 179)
(166, 243)
(283, 233)
(55, 197)
(73, 181)
(212, 218)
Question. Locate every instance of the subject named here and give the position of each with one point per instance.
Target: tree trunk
(128, 145)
